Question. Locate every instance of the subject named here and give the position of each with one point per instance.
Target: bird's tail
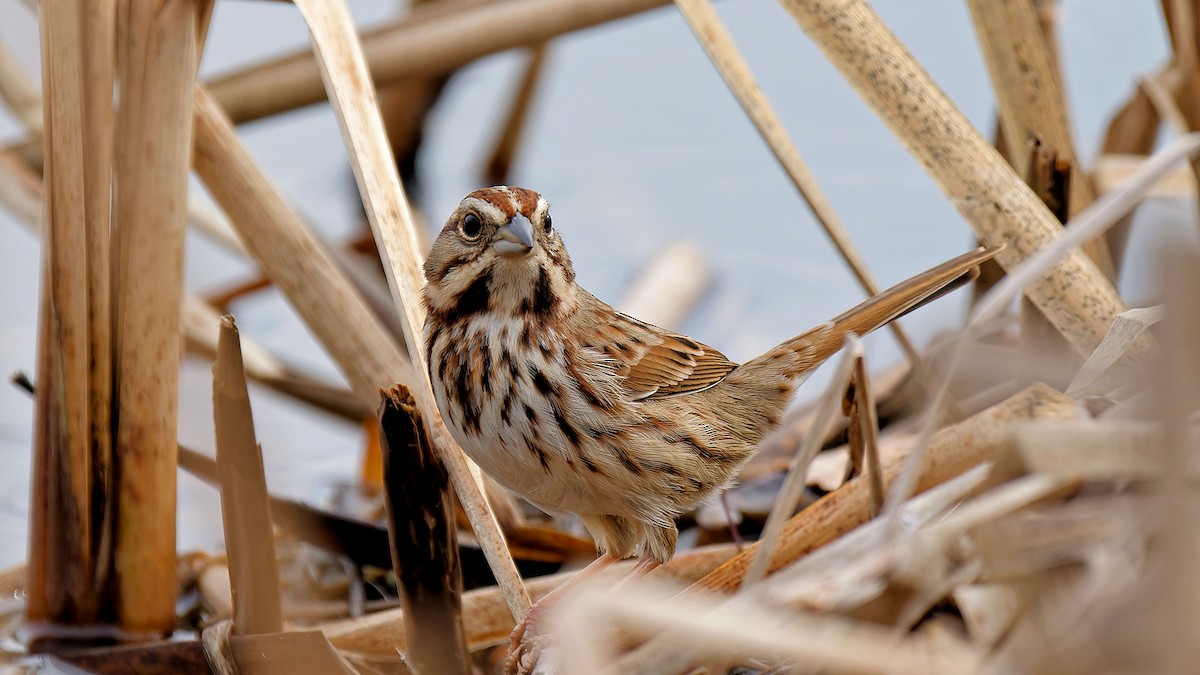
(802, 354)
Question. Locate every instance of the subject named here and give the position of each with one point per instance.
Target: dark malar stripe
(473, 300)
(544, 300)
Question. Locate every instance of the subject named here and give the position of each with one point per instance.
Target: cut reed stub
(422, 532)
(245, 505)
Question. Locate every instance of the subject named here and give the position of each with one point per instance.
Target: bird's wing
(654, 362)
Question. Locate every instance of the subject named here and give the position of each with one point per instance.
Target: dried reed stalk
(63, 534)
(426, 43)
(713, 36)
(99, 44)
(1112, 172)
(21, 190)
(344, 69)
(954, 449)
(793, 485)
(1075, 296)
(1132, 130)
(667, 289)
(424, 545)
(486, 617)
(245, 508)
(19, 92)
(863, 432)
(499, 163)
(295, 258)
(157, 70)
(264, 368)
(1029, 92)
(742, 631)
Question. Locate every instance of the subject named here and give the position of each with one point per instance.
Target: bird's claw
(523, 649)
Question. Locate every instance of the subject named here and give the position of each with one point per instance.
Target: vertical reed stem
(99, 37)
(424, 545)
(157, 78)
(60, 552)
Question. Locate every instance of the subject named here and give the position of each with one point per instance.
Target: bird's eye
(547, 225)
(471, 226)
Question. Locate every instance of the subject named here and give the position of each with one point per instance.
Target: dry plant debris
(1021, 511)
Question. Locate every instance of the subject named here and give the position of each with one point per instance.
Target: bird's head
(499, 252)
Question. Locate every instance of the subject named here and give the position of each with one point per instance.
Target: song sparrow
(578, 407)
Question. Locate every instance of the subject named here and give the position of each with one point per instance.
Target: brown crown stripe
(508, 200)
(526, 199)
(497, 198)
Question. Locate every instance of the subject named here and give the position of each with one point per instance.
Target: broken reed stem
(344, 69)
(157, 71)
(1075, 296)
(62, 567)
(954, 449)
(499, 163)
(245, 509)
(421, 529)
(711, 32)
(863, 432)
(1029, 92)
(422, 44)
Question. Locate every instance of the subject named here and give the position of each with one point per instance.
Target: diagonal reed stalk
(715, 38)
(1075, 296)
(432, 41)
(344, 69)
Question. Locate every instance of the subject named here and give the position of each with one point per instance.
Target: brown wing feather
(654, 362)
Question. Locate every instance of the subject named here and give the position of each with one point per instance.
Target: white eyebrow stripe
(488, 209)
(542, 207)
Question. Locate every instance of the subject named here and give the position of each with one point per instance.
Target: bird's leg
(642, 568)
(517, 637)
(522, 651)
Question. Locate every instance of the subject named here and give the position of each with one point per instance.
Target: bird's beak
(515, 238)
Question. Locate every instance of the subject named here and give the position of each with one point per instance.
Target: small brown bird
(578, 407)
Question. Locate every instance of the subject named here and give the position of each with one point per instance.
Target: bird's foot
(524, 645)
